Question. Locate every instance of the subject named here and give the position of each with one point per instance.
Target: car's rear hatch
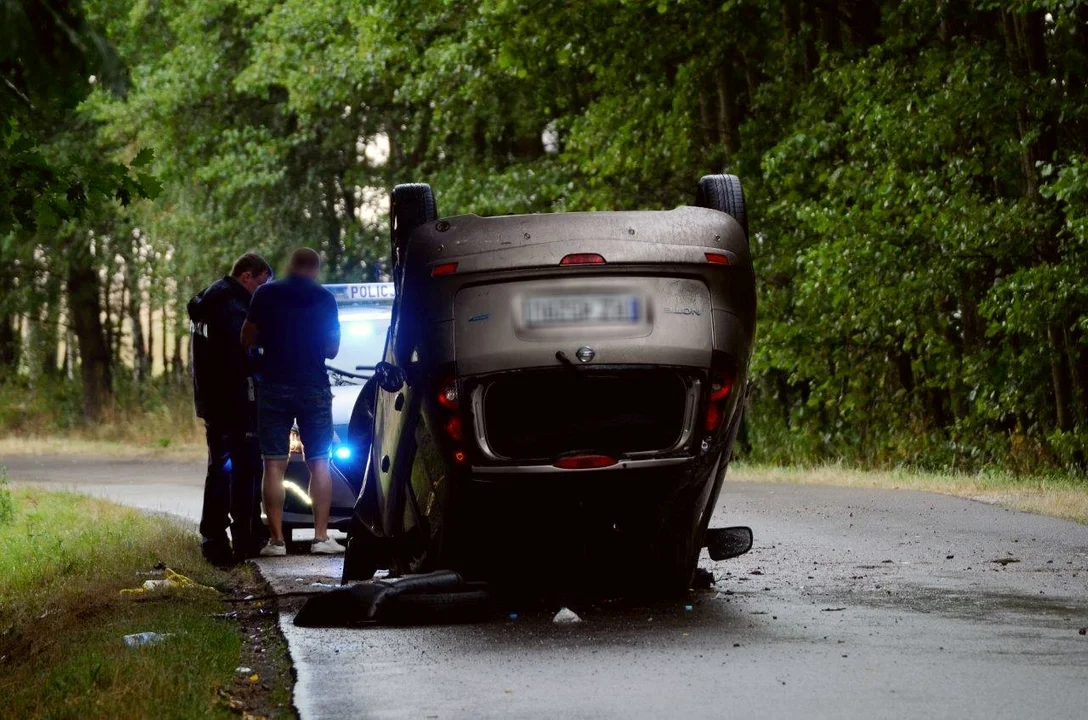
(582, 333)
(540, 415)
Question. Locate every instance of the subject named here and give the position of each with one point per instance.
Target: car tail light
(717, 258)
(723, 374)
(454, 428)
(582, 259)
(447, 394)
(444, 269)
(585, 462)
(449, 415)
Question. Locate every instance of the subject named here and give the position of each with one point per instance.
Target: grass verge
(1058, 496)
(34, 445)
(64, 559)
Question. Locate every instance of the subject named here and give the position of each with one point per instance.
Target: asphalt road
(853, 603)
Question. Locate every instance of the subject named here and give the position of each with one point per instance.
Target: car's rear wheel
(725, 194)
(410, 205)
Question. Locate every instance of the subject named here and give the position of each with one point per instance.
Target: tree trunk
(94, 354)
(1078, 360)
(808, 33)
(830, 26)
(162, 332)
(140, 364)
(44, 341)
(708, 135)
(150, 332)
(335, 245)
(1060, 378)
(107, 318)
(9, 346)
(864, 22)
(728, 117)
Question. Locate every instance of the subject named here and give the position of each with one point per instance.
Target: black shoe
(217, 552)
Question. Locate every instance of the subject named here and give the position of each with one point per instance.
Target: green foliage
(48, 60)
(917, 176)
(157, 413)
(7, 504)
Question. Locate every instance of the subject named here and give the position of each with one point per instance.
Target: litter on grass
(171, 581)
(145, 638)
(566, 616)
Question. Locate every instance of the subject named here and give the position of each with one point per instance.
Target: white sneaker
(326, 547)
(272, 549)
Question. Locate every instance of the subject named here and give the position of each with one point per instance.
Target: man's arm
(249, 335)
(332, 343)
(250, 332)
(332, 336)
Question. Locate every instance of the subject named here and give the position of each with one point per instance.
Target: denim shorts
(279, 407)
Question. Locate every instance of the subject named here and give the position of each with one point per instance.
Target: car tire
(410, 205)
(725, 194)
(361, 556)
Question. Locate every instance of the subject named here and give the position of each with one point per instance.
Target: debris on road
(1006, 561)
(243, 670)
(438, 597)
(702, 580)
(566, 616)
(838, 609)
(1083, 631)
(145, 638)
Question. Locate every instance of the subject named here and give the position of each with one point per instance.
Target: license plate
(582, 310)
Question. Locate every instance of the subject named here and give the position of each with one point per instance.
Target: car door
(395, 417)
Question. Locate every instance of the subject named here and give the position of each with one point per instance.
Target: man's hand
(249, 336)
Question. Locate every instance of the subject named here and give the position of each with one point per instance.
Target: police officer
(224, 394)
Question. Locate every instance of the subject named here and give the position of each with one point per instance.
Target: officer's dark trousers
(232, 490)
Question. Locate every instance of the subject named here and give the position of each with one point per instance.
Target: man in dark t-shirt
(295, 324)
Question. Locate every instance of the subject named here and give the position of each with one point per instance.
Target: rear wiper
(562, 357)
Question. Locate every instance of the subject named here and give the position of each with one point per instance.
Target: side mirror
(390, 377)
(730, 542)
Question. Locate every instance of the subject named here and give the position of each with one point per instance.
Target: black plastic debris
(703, 579)
(440, 597)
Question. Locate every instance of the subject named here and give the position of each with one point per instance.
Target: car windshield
(364, 322)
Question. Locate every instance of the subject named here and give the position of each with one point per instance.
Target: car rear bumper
(670, 465)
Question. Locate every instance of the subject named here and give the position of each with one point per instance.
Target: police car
(365, 310)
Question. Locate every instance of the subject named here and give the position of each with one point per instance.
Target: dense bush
(917, 175)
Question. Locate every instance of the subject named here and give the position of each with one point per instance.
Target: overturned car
(559, 394)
